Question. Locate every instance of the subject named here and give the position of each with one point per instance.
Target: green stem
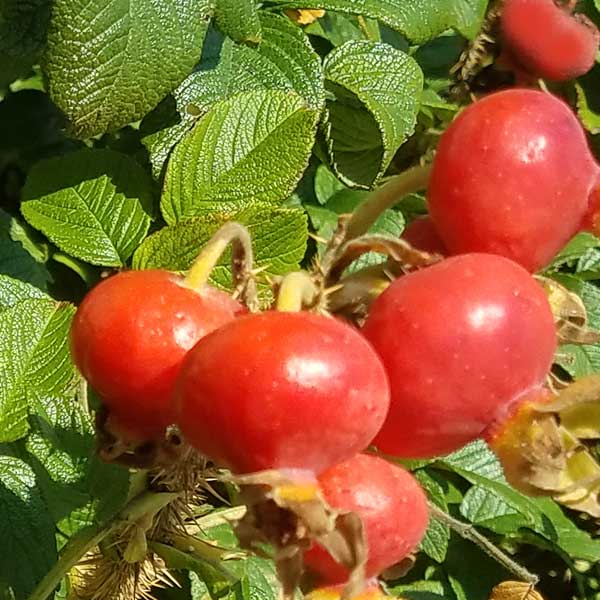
(76, 547)
(468, 532)
(242, 260)
(385, 197)
(296, 291)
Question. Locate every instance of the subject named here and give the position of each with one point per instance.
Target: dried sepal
(541, 446)
(114, 446)
(570, 314)
(289, 515)
(399, 251)
(515, 590)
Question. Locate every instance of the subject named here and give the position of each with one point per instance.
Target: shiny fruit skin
(512, 176)
(460, 341)
(391, 504)
(547, 40)
(282, 390)
(130, 335)
(422, 235)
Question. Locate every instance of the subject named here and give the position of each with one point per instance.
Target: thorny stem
(468, 532)
(78, 546)
(242, 261)
(296, 291)
(90, 537)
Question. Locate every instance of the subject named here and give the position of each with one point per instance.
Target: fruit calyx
(541, 445)
(288, 511)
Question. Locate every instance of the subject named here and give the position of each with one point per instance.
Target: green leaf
(583, 360)
(284, 60)
(418, 20)
(588, 99)
(577, 248)
(377, 90)
(19, 257)
(238, 19)
(109, 64)
(13, 291)
(93, 204)
(279, 238)
(26, 530)
(437, 536)
(78, 489)
(35, 358)
(240, 153)
(23, 25)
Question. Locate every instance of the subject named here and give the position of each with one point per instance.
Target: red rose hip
(130, 335)
(282, 390)
(547, 40)
(460, 340)
(391, 505)
(512, 176)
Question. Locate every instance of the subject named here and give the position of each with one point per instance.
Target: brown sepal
(570, 314)
(289, 516)
(397, 250)
(542, 450)
(114, 446)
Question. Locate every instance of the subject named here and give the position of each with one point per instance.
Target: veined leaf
(284, 60)
(377, 90)
(108, 64)
(279, 238)
(239, 20)
(418, 20)
(240, 153)
(93, 204)
(35, 358)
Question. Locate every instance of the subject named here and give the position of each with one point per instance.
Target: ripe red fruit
(282, 390)
(391, 504)
(460, 340)
(512, 176)
(546, 39)
(421, 234)
(129, 338)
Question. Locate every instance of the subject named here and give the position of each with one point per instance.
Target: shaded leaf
(26, 529)
(23, 25)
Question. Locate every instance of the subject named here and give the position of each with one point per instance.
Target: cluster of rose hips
(445, 355)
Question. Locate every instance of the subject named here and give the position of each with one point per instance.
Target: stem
(76, 547)
(385, 197)
(242, 259)
(468, 532)
(296, 291)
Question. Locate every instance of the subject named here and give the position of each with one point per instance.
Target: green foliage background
(129, 132)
